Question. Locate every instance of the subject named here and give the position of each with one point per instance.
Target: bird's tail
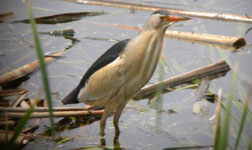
(71, 98)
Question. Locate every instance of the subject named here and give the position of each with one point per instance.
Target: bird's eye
(162, 18)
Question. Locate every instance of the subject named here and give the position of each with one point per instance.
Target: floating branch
(227, 41)
(135, 6)
(62, 18)
(235, 42)
(213, 69)
(26, 69)
(5, 16)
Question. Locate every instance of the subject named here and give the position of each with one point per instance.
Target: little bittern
(123, 70)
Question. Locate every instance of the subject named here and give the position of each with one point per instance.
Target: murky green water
(140, 130)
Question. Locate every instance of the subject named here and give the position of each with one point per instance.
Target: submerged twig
(26, 69)
(189, 147)
(42, 109)
(62, 18)
(248, 31)
(135, 6)
(5, 16)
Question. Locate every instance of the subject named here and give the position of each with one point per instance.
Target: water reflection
(103, 145)
(116, 144)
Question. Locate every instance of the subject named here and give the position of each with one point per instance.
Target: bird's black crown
(162, 12)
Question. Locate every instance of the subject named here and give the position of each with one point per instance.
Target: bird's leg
(117, 115)
(107, 111)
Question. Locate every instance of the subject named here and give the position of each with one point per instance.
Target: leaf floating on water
(64, 140)
(62, 18)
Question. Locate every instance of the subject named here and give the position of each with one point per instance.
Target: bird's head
(162, 19)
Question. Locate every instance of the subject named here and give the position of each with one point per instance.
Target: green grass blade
(20, 126)
(226, 123)
(250, 144)
(42, 64)
(244, 115)
(6, 133)
(218, 120)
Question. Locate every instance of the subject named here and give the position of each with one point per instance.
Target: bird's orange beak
(172, 18)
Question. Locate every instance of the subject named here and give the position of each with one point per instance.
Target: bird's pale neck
(149, 29)
(152, 52)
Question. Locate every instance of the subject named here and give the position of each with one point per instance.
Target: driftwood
(26, 69)
(135, 6)
(55, 114)
(226, 41)
(209, 70)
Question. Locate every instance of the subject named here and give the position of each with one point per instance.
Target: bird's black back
(110, 55)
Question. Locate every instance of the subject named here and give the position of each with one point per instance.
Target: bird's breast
(141, 59)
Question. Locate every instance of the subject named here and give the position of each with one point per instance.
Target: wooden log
(135, 6)
(55, 114)
(26, 69)
(235, 42)
(225, 41)
(209, 70)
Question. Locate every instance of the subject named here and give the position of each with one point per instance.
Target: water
(140, 130)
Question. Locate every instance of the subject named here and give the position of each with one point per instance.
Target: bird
(119, 73)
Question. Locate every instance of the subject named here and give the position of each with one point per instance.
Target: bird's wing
(110, 55)
(104, 83)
